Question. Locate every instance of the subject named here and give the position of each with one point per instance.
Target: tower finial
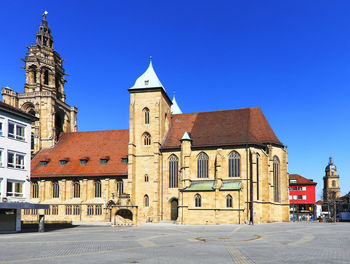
(45, 14)
(330, 160)
(150, 58)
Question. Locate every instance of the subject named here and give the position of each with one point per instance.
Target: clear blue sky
(291, 58)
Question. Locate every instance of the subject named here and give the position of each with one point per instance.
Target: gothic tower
(149, 123)
(44, 94)
(331, 182)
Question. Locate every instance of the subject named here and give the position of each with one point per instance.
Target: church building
(217, 167)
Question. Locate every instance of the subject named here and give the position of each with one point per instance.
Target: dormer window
(43, 162)
(146, 82)
(293, 181)
(104, 160)
(83, 161)
(64, 161)
(125, 160)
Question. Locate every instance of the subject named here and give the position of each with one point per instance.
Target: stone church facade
(216, 167)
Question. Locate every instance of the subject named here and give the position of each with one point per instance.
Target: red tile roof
(219, 128)
(94, 145)
(319, 202)
(301, 180)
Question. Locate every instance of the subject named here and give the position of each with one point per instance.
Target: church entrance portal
(174, 210)
(124, 213)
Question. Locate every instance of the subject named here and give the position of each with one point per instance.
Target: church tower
(149, 123)
(331, 182)
(44, 94)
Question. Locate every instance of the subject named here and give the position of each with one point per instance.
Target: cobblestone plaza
(167, 243)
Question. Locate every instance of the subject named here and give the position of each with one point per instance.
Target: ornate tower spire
(43, 36)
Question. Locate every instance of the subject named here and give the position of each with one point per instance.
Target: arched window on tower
(234, 161)
(197, 200)
(276, 178)
(146, 113)
(202, 165)
(33, 73)
(333, 183)
(229, 201)
(173, 171)
(146, 178)
(146, 200)
(46, 77)
(146, 139)
(76, 189)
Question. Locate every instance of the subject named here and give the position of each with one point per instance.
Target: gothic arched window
(146, 200)
(55, 190)
(202, 165)
(146, 178)
(76, 189)
(257, 177)
(234, 161)
(146, 139)
(35, 190)
(229, 201)
(173, 171)
(197, 200)
(146, 113)
(97, 189)
(276, 178)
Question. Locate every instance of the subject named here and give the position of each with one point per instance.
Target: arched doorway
(125, 213)
(174, 209)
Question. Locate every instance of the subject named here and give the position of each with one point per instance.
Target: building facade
(302, 197)
(15, 160)
(44, 95)
(197, 168)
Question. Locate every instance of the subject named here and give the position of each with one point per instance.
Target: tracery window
(35, 190)
(97, 189)
(276, 178)
(234, 161)
(173, 171)
(202, 165)
(197, 200)
(229, 201)
(146, 200)
(76, 189)
(55, 190)
(146, 139)
(146, 113)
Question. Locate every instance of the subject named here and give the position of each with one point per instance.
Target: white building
(15, 158)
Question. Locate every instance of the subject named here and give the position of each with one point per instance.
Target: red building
(302, 197)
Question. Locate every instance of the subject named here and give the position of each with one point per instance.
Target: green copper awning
(231, 185)
(200, 186)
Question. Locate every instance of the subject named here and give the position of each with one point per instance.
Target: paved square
(167, 243)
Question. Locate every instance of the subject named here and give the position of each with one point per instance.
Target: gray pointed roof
(148, 79)
(175, 109)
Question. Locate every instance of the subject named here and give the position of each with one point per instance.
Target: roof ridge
(244, 108)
